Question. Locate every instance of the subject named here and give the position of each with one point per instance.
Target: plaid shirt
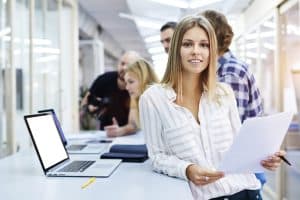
(236, 73)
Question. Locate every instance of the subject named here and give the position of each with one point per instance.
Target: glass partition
(46, 54)
(289, 53)
(5, 32)
(267, 65)
(42, 79)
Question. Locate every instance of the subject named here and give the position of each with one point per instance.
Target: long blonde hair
(173, 73)
(146, 76)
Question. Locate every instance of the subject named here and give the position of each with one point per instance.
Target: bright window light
(292, 30)
(5, 31)
(160, 67)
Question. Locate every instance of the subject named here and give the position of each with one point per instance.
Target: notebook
(53, 156)
(79, 147)
(128, 153)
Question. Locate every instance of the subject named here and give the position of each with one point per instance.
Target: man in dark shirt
(166, 32)
(107, 98)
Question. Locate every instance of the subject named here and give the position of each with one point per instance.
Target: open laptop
(79, 147)
(53, 156)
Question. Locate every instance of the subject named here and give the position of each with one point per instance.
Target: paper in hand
(257, 139)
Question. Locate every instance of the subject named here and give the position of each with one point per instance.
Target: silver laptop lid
(46, 140)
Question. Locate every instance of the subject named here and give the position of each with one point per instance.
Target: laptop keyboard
(76, 147)
(77, 166)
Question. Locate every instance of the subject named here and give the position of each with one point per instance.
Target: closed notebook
(128, 153)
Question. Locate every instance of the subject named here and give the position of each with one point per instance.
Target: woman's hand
(273, 161)
(113, 130)
(201, 176)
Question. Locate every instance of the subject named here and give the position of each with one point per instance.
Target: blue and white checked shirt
(236, 73)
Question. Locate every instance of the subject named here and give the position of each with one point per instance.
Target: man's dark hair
(167, 25)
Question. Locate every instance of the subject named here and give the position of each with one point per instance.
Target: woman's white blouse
(175, 139)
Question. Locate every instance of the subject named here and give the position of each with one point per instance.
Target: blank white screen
(47, 139)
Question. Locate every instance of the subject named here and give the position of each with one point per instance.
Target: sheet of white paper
(258, 138)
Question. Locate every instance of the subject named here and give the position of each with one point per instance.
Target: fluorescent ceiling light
(174, 3)
(184, 4)
(155, 50)
(46, 50)
(255, 55)
(265, 34)
(251, 45)
(153, 38)
(36, 41)
(269, 46)
(162, 56)
(202, 3)
(142, 21)
(269, 24)
(46, 59)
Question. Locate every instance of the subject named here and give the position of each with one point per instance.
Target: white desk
(21, 177)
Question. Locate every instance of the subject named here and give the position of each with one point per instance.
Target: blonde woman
(138, 76)
(190, 120)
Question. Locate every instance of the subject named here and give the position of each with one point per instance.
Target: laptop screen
(60, 131)
(46, 139)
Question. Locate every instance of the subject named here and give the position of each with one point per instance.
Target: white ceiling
(130, 34)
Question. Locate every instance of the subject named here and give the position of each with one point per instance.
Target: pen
(285, 160)
(90, 181)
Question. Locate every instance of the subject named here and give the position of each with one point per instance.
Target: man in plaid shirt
(235, 72)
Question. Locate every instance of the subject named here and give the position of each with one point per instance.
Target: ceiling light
(198, 4)
(142, 21)
(184, 4)
(153, 38)
(162, 56)
(269, 46)
(174, 3)
(251, 45)
(255, 55)
(46, 50)
(269, 24)
(46, 59)
(155, 50)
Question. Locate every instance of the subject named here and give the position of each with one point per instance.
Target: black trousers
(242, 195)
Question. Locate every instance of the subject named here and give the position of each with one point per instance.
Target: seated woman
(138, 76)
(190, 120)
